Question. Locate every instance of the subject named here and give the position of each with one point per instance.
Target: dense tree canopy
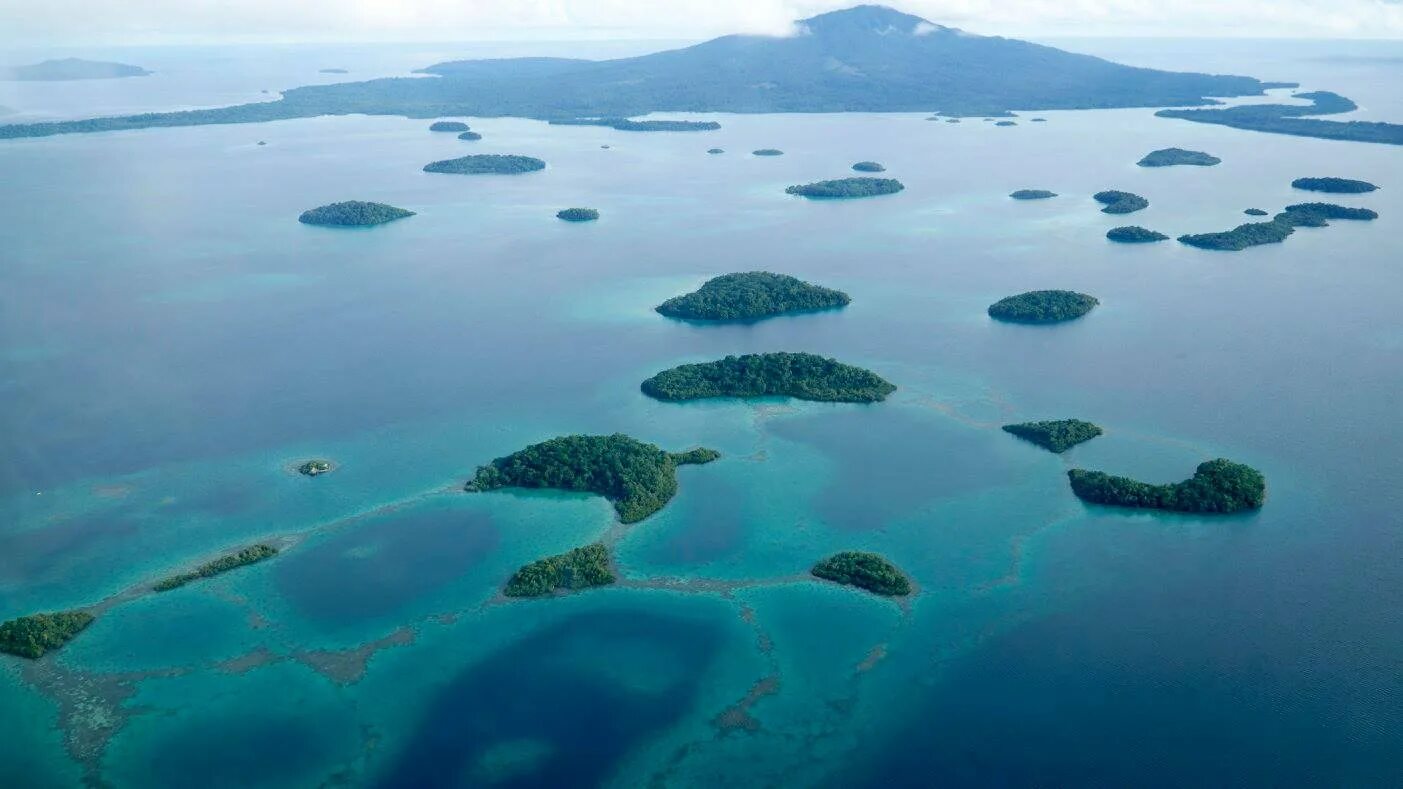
(751, 295)
(1170, 157)
(578, 214)
(487, 164)
(1344, 186)
(1116, 202)
(1058, 435)
(353, 213)
(448, 126)
(1042, 306)
(804, 376)
(1134, 234)
(580, 568)
(866, 571)
(1032, 194)
(224, 564)
(847, 187)
(32, 636)
(869, 167)
(1219, 486)
(313, 468)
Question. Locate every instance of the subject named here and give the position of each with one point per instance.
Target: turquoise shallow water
(172, 341)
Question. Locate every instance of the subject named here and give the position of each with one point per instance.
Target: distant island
(869, 167)
(767, 152)
(1042, 306)
(333, 71)
(1315, 214)
(1171, 157)
(1343, 186)
(448, 126)
(752, 295)
(1217, 486)
(803, 376)
(578, 214)
(1117, 202)
(353, 213)
(843, 188)
(69, 69)
(637, 477)
(314, 468)
(1057, 436)
(624, 124)
(1032, 194)
(487, 164)
(1279, 228)
(247, 556)
(470, 136)
(1255, 212)
(1289, 119)
(716, 150)
(864, 570)
(1134, 234)
(1006, 123)
(862, 59)
(32, 636)
(580, 568)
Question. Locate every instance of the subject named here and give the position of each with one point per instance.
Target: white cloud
(145, 21)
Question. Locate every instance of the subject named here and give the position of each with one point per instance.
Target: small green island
(487, 164)
(869, 167)
(1318, 214)
(639, 478)
(580, 568)
(1134, 234)
(750, 296)
(864, 570)
(1042, 306)
(714, 151)
(315, 467)
(448, 126)
(1217, 486)
(1117, 202)
(245, 557)
(1006, 123)
(842, 188)
(353, 213)
(470, 136)
(804, 376)
(1173, 157)
(1056, 435)
(1341, 186)
(1255, 212)
(1032, 194)
(32, 636)
(578, 214)
(767, 152)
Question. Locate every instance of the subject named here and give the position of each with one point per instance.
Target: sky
(116, 22)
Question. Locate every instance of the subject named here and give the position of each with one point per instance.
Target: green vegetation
(1042, 306)
(32, 636)
(71, 69)
(1006, 123)
(1279, 228)
(448, 126)
(750, 296)
(314, 468)
(247, 556)
(1342, 186)
(1120, 202)
(869, 167)
(637, 477)
(1288, 119)
(1134, 234)
(1216, 486)
(580, 568)
(353, 213)
(847, 187)
(865, 571)
(695, 457)
(1170, 157)
(487, 164)
(470, 136)
(1032, 194)
(768, 152)
(1255, 212)
(1057, 436)
(714, 151)
(800, 375)
(578, 214)
(1304, 213)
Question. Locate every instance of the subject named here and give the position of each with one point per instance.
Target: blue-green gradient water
(172, 340)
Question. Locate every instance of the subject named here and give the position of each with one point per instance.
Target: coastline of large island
(803, 376)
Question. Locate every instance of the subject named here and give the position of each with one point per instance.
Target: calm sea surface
(172, 340)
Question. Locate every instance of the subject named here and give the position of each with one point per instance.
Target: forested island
(1279, 228)
(243, 558)
(714, 151)
(803, 376)
(1255, 212)
(847, 188)
(448, 126)
(639, 478)
(333, 71)
(869, 167)
(1006, 123)
(578, 214)
(1042, 306)
(1057, 435)
(470, 136)
(580, 568)
(1315, 214)
(1342, 186)
(315, 468)
(1217, 486)
(1289, 119)
(864, 570)
(767, 152)
(1172, 157)
(67, 69)
(1032, 194)
(487, 164)
(353, 213)
(751, 296)
(1117, 202)
(624, 124)
(32, 636)
(1134, 234)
